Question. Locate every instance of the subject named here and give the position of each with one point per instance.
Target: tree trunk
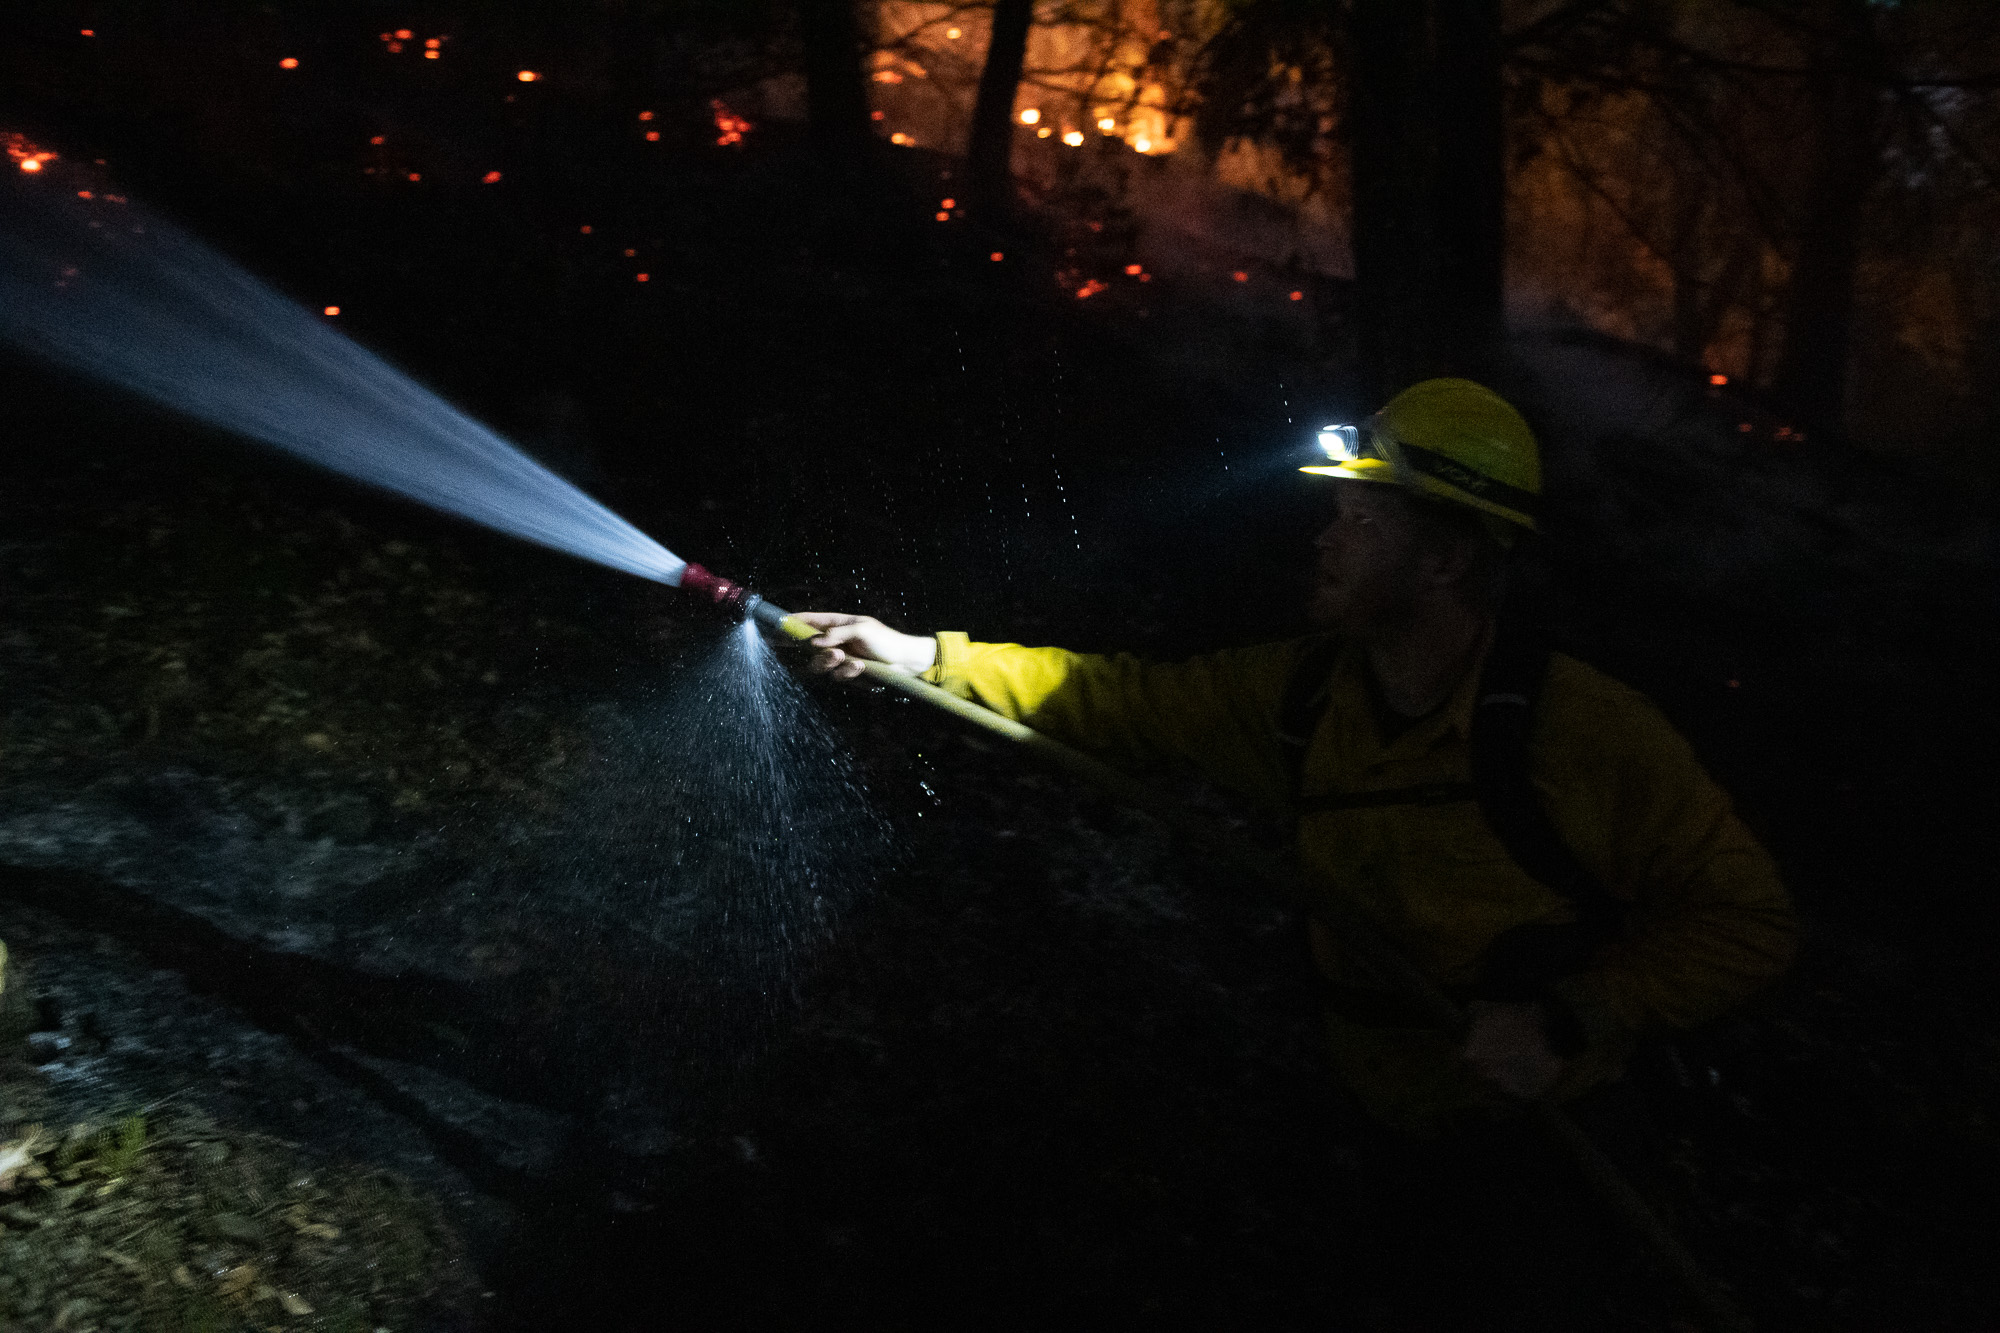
(1391, 235)
(1812, 374)
(989, 160)
(836, 92)
(1469, 191)
(1429, 189)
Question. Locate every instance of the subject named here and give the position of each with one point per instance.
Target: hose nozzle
(714, 588)
(722, 592)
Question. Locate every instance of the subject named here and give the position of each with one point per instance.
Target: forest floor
(339, 829)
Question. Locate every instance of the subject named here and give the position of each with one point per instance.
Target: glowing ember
(645, 115)
(875, 115)
(1298, 296)
(1044, 132)
(1240, 276)
(887, 76)
(416, 175)
(585, 229)
(996, 256)
(376, 140)
(901, 139)
(90, 32)
(1030, 116)
(395, 48)
(1107, 124)
(1718, 380)
(430, 55)
(527, 76)
(289, 62)
(85, 194)
(433, 43)
(1744, 427)
(729, 127)
(1090, 289)
(1134, 270)
(330, 311)
(404, 34)
(947, 203)
(631, 254)
(642, 277)
(490, 178)
(1142, 145)
(652, 136)
(26, 154)
(944, 217)
(1074, 138)
(953, 33)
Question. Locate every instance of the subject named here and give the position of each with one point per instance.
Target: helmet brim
(1360, 469)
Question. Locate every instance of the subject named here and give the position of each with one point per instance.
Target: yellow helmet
(1452, 440)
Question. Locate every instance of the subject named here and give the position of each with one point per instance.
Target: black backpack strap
(1510, 686)
(1522, 961)
(1302, 705)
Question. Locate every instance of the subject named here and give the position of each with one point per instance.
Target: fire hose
(1290, 885)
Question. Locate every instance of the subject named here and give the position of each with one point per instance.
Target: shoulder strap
(1302, 705)
(1510, 686)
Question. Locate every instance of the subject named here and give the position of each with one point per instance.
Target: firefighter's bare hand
(845, 641)
(1508, 1046)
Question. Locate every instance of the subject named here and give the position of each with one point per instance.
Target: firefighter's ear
(1448, 562)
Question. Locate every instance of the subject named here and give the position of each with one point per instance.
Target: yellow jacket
(1709, 922)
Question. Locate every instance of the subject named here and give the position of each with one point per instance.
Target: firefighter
(1617, 895)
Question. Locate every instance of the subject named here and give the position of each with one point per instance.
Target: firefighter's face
(1370, 560)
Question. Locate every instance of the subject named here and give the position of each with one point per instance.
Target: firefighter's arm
(1710, 921)
(1217, 713)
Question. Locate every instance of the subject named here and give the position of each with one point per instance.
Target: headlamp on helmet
(1342, 444)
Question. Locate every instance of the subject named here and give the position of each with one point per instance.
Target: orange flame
(23, 153)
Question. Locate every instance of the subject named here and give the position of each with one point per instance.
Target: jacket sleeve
(1710, 922)
(1217, 713)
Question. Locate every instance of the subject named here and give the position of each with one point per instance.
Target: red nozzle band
(714, 587)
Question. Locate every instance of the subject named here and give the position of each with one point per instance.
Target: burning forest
(536, 786)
